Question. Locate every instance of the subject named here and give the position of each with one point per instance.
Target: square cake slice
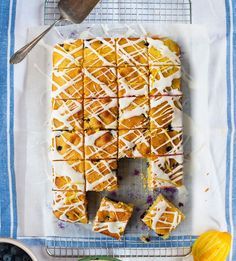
(101, 175)
(163, 51)
(67, 145)
(166, 112)
(67, 83)
(112, 218)
(165, 172)
(68, 54)
(134, 112)
(101, 144)
(99, 52)
(67, 114)
(163, 217)
(165, 80)
(100, 113)
(70, 206)
(100, 82)
(132, 81)
(68, 175)
(131, 52)
(134, 143)
(166, 142)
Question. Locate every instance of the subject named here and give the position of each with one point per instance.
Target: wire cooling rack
(121, 11)
(124, 11)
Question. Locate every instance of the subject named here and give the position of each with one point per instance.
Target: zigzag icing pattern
(101, 175)
(134, 143)
(67, 115)
(166, 111)
(165, 172)
(70, 206)
(132, 81)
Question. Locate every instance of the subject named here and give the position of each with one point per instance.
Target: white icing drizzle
(102, 89)
(131, 57)
(170, 141)
(113, 227)
(102, 58)
(130, 83)
(95, 151)
(66, 170)
(62, 203)
(140, 137)
(106, 175)
(169, 112)
(160, 85)
(67, 115)
(94, 107)
(78, 149)
(68, 57)
(163, 174)
(61, 90)
(165, 52)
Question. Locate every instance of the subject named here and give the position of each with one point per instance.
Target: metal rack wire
(124, 11)
(121, 11)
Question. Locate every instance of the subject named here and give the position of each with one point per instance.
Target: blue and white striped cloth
(8, 196)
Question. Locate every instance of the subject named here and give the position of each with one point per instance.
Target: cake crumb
(207, 189)
(145, 238)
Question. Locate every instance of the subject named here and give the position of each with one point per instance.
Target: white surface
(212, 13)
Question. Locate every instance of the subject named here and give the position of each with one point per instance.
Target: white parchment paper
(204, 143)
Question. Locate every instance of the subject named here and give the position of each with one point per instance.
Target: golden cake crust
(163, 217)
(131, 52)
(112, 218)
(100, 113)
(67, 114)
(70, 206)
(166, 142)
(67, 145)
(67, 83)
(68, 54)
(101, 144)
(132, 81)
(165, 171)
(133, 112)
(99, 52)
(101, 175)
(68, 175)
(134, 143)
(165, 80)
(166, 112)
(100, 82)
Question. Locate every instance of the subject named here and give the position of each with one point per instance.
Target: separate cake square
(101, 144)
(100, 113)
(68, 175)
(165, 171)
(165, 80)
(163, 51)
(68, 54)
(166, 112)
(67, 114)
(99, 52)
(100, 82)
(101, 175)
(131, 52)
(67, 145)
(133, 112)
(132, 81)
(112, 218)
(67, 83)
(134, 143)
(163, 217)
(70, 206)
(166, 142)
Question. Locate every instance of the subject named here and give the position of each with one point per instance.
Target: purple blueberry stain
(113, 194)
(136, 172)
(61, 225)
(149, 199)
(119, 177)
(138, 209)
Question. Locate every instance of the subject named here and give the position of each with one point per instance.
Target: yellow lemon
(212, 246)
